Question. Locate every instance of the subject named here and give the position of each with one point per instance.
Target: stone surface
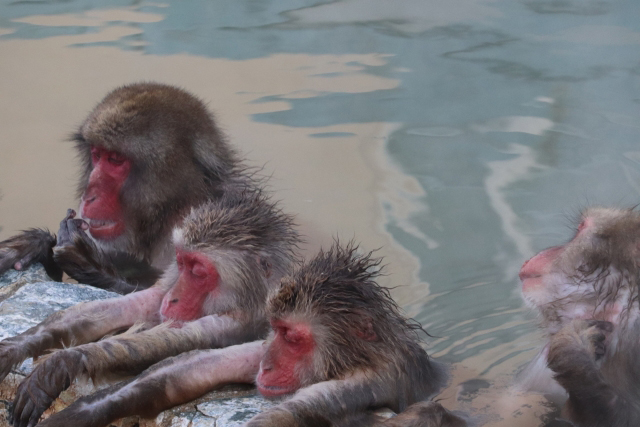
(13, 280)
(28, 297)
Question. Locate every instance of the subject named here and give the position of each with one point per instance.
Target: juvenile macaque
(149, 153)
(587, 294)
(338, 345)
(230, 253)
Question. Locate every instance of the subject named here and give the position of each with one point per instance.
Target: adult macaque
(587, 294)
(149, 153)
(338, 344)
(229, 254)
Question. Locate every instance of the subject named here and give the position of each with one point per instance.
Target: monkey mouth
(101, 223)
(105, 229)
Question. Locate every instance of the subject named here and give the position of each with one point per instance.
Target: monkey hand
(79, 256)
(11, 355)
(43, 385)
(34, 245)
(578, 341)
(96, 410)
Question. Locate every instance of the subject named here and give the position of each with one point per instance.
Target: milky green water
(460, 136)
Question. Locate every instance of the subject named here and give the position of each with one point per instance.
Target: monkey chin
(273, 391)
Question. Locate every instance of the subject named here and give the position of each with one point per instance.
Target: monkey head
(229, 252)
(594, 276)
(149, 152)
(329, 319)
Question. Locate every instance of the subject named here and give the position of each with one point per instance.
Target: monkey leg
(34, 245)
(80, 324)
(164, 385)
(82, 260)
(122, 355)
(573, 355)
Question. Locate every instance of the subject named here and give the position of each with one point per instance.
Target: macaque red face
(101, 207)
(589, 277)
(197, 280)
(288, 362)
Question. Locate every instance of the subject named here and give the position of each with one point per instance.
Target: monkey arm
(166, 384)
(126, 354)
(33, 245)
(82, 260)
(573, 355)
(80, 324)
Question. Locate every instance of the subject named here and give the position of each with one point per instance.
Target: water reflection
(460, 136)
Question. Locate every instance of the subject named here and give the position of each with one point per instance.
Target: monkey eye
(291, 336)
(199, 270)
(116, 159)
(582, 225)
(95, 154)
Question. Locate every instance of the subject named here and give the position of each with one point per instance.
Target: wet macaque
(230, 253)
(149, 153)
(586, 292)
(338, 345)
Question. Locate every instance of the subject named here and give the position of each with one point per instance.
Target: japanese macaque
(338, 344)
(586, 292)
(149, 153)
(230, 253)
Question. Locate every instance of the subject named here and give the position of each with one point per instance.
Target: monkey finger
(33, 419)
(8, 359)
(22, 419)
(80, 224)
(70, 214)
(69, 229)
(63, 234)
(7, 259)
(18, 403)
(24, 262)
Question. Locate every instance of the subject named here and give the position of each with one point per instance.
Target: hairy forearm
(169, 383)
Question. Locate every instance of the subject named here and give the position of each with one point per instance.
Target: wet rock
(13, 280)
(29, 297)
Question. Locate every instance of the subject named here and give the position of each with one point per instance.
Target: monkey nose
(174, 301)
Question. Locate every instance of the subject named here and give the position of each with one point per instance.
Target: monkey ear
(364, 329)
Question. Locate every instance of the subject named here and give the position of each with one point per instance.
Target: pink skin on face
(534, 270)
(537, 280)
(198, 278)
(101, 207)
(289, 353)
